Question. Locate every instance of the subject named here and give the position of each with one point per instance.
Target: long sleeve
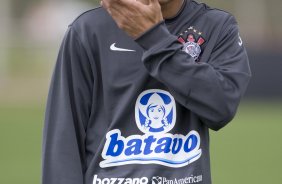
(210, 89)
(67, 113)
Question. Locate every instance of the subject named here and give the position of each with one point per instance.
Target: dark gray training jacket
(124, 111)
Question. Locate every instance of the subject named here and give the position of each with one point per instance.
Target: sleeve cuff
(155, 36)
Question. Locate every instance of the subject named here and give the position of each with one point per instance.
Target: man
(136, 88)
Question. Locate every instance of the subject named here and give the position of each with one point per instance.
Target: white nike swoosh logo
(114, 48)
(240, 42)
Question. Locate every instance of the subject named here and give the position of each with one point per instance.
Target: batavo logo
(155, 115)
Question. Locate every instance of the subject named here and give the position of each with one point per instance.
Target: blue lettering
(148, 142)
(134, 147)
(164, 145)
(190, 143)
(172, 150)
(175, 149)
(115, 147)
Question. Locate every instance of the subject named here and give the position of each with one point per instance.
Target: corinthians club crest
(191, 45)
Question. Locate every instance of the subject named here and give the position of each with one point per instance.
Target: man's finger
(104, 4)
(127, 2)
(154, 2)
(149, 2)
(115, 3)
(145, 2)
(110, 5)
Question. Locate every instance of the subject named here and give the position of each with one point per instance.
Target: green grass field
(247, 151)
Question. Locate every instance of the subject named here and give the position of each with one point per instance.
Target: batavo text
(165, 149)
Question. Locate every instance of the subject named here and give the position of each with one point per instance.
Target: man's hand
(134, 16)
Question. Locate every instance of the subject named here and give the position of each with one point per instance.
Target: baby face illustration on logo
(155, 111)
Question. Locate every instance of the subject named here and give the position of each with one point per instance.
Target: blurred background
(248, 150)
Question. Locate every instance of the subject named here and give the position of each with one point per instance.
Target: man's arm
(67, 113)
(213, 89)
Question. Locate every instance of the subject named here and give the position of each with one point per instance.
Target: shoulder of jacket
(215, 15)
(91, 18)
(218, 16)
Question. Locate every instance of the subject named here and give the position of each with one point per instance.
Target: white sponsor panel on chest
(155, 116)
